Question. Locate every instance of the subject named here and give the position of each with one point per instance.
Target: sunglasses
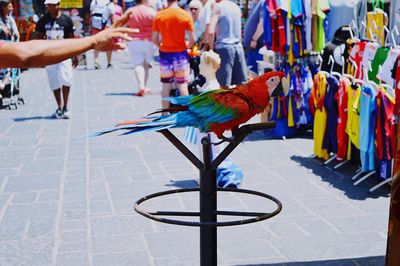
(193, 9)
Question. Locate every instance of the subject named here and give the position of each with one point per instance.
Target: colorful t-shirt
(368, 122)
(385, 73)
(379, 59)
(376, 20)
(342, 137)
(385, 128)
(318, 96)
(141, 18)
(368, 56)
(356, 56)
(331, 106)
(353, 114)
(172, 24)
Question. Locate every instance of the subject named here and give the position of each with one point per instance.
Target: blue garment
(384, 169)
(297, 8)
(229, 174)
(228, 29)
(267, 27)
(252, 57)
(367, 127)
(331, 105)
(251, 24)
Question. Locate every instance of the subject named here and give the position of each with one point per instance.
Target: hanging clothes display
(380, 57)
(331, 106)
(353, 114)
(376, 21)
(385, 72)
(342, 100)
(385, 133)
(368, 122)
(318, 96)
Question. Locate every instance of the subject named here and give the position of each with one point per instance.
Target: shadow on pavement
(266, 135)
(366, 261)
(119, 94)
(24, 119)
(341, 179)
(190, 183)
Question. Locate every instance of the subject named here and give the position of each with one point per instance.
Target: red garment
(385, 128)
(277, 27)
(342, 137)
(397, 87)
(356, 56)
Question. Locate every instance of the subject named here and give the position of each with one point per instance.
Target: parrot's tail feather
(147, 129)
(133, 122)
(141, 125)
(170, 110)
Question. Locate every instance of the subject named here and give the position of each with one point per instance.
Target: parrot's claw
(224, 139)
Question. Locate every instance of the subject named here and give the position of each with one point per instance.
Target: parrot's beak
(282, 89)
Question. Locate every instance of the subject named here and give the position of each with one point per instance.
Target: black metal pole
(208, 208)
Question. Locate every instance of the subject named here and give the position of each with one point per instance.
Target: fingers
(126, 30)
(123, 20)
(119, 46)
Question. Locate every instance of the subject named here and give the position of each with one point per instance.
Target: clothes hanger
(332, 61)
(389, 90)
(353, 24)
(363, 24)
(356, 81)
(320, 64)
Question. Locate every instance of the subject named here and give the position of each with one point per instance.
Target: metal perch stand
(208, 194)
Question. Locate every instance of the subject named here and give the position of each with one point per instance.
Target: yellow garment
(353, 115)
(376, 21)
(290, 117)
(319, 91)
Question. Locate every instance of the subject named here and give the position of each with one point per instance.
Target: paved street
(69, 201)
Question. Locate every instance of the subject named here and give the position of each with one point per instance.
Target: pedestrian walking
(101, 12)
(141, 47)
(204, 20)
(52, 26)
(170, 27)
(8, 26)
(225, 25)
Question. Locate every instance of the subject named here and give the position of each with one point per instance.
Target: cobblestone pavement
(65, 201)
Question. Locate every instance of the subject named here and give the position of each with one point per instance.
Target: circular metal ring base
(259, 216)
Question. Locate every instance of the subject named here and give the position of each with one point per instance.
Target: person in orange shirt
(172, 24)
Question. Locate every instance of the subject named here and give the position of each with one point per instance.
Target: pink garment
(142, 18)
(117, 12)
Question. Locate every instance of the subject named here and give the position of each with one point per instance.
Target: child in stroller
(9, 88)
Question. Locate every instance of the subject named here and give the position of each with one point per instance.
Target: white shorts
(140, 52)
(60, 74)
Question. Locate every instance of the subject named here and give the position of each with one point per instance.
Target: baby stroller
(10, 94)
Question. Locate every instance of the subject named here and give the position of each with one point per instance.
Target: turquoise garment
(368, 123)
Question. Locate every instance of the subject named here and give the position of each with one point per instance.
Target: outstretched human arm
(213, 24)
(46, 52)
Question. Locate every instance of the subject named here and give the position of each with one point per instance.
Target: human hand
(104, 39)
(6, 30)
(253, 44)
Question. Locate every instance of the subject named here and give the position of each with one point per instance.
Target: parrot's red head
(273, 80)
(262, 88)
